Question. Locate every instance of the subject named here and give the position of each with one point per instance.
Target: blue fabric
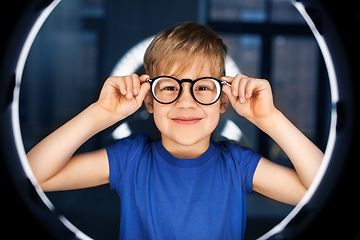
(163, 197)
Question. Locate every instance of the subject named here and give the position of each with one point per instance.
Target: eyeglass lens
(205, 91)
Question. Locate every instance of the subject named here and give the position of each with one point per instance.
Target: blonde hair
(182, 45)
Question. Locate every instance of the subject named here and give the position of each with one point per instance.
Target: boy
(182, 186)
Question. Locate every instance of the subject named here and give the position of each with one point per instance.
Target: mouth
(186, 120)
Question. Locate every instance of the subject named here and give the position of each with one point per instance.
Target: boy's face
(186, 122)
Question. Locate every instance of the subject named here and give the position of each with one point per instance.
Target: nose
(186, 100)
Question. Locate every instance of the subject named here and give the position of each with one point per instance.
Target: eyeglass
(205, 90)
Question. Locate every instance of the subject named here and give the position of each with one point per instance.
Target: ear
(149, 101)
(224, 102)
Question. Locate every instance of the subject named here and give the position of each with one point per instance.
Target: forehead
(190, 68)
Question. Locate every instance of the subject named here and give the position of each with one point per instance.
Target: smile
(186, 120)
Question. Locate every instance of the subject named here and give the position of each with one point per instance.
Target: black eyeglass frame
(192, 82)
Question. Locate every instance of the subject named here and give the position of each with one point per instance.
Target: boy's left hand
(250, 97)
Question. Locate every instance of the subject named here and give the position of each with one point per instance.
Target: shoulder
(130, 143)
(245, 161)
(141, 138)
(128, 148)
(123, 153)
(237, 151)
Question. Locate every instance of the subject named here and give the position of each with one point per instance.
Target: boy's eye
(169, 88)
(205, 85)
(166, 84)
(202, 88)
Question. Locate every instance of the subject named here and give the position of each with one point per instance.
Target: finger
(235, 86)
(118, 83)
(249, 88)
(136, 83)
(241, 89)
(129, 87)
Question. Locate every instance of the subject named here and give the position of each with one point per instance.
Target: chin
(188, 139)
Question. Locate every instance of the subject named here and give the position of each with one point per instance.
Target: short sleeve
(247, 160)
(121, 154)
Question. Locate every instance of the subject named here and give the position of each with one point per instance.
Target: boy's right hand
(122, 96)
(52, 159)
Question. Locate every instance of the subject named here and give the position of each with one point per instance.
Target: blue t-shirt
(164, 197)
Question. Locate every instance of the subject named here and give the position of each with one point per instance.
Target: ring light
(33, 198)
(16, 121)
(332, 133)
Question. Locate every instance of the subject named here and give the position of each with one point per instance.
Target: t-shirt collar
(184, 163)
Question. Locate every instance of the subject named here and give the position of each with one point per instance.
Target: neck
(179, 150)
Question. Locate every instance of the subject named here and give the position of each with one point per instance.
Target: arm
(304, 155)
(52, 160)
(252, 98)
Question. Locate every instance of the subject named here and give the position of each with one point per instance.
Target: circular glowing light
(129, 64)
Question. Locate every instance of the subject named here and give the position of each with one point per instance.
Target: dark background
(81, 42)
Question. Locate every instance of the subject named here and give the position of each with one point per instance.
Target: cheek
(159, 115)
(213, 116)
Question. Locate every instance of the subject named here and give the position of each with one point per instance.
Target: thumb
(144, 89)
(143, 78)
(227, 91)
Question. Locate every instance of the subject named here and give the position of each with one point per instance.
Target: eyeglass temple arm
(225, 83)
